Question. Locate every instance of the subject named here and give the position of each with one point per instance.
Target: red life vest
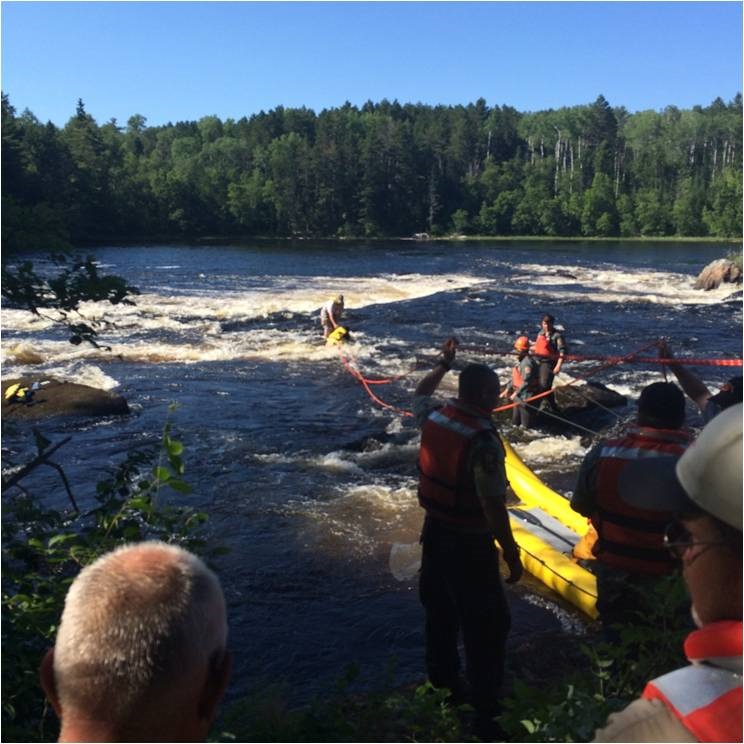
(517, 380)
(446, 486)
(543, 346)
(546, 346)
(631, 539)
(707, 696)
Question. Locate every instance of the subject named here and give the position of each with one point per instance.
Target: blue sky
(171, 61)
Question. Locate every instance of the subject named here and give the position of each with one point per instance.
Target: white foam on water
(203, 315)
(602, 284)
(383, 497)
(546, 450)
(83, 374)
(388, 454)
(336, 462)
(404, 560)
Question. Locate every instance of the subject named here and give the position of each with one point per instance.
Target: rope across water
(606, 362)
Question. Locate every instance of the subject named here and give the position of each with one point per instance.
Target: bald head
(140, 628)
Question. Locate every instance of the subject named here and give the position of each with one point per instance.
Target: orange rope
(618, 359)
(599, 368)
(348, 362)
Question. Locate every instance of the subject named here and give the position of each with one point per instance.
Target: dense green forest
(384, 169)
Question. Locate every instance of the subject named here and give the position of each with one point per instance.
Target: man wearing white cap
(701, 701)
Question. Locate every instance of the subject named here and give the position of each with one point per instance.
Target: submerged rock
(571, 399)
(718, 271)
(56, 398)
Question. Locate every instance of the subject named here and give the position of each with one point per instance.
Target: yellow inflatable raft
(546, 529)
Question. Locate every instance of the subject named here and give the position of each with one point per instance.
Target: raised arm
(693, 386)
(430, 382)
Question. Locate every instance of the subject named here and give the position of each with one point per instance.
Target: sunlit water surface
(310, 483)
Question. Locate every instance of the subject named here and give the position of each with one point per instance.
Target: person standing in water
(330, 314)
(549, 350)
(525, 383)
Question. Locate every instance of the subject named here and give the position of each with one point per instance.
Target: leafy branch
(78, 281)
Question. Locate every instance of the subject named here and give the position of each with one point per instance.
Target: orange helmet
(522, 344)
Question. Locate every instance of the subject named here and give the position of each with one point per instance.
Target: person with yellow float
(549, 349)
(330, 320)
(525, 382)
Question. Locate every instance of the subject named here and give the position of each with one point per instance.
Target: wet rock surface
(56, 398)
(717, 272)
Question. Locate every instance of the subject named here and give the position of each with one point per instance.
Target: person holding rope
(703, 700)
(462, 487)
(629, 549)
(525, 383)
(330, 314)
(549, 349)
(710, 404)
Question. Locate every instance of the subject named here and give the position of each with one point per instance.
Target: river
(309, 482)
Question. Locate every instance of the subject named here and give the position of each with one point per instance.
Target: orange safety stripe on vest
(705, 697)
(517, 380)
(446, 488)
(631, 539)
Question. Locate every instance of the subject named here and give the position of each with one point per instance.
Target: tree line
(385, 169)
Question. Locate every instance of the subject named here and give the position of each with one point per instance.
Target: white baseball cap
(707, 476)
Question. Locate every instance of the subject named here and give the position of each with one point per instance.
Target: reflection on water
(308, 482)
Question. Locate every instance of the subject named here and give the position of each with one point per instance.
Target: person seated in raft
(549, 349)
(330, 314)
(525, 382)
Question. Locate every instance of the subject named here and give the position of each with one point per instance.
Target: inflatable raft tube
(546, 530)
(548, 559)
(534, 493)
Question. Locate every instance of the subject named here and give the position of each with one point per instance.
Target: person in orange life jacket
(710, 404)
(549, 349)
(462, 487)
(702, 701)
(524, 384)
(330, 314)
(629, 549)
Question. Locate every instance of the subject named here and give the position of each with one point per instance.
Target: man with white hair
(141, 649)
(701, 701)
(330, 314)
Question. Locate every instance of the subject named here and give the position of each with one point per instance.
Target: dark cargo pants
(460, 588)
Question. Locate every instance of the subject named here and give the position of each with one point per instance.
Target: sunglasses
(677, 540)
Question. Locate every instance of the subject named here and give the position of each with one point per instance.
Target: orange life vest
(629, 538)
(518, 379)
(545, 346)
(707, 695)
(446, 486)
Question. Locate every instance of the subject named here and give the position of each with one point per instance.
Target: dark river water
(308, 481)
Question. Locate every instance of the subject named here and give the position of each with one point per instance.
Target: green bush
(44, 549)
(420, 714)
(613, 676)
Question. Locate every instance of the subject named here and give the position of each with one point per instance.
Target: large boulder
(718, 271)
(572, 399)
(56, 398)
